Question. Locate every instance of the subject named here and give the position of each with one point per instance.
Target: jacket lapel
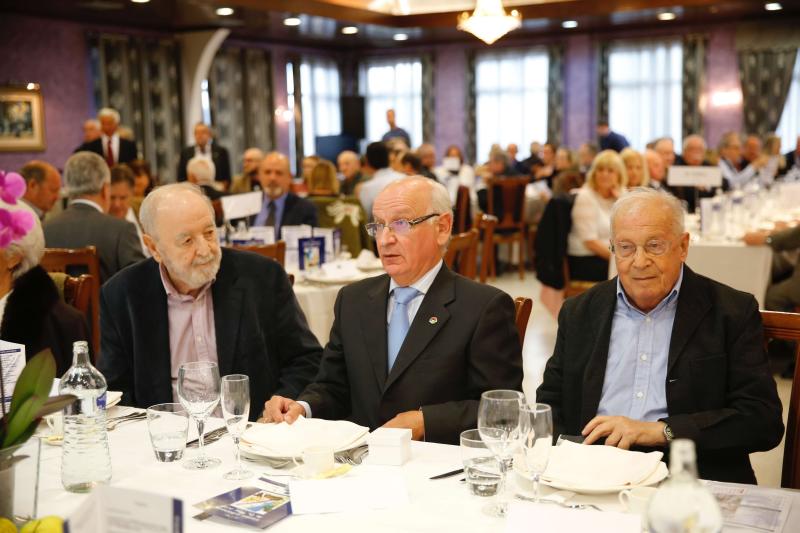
(227, 313)
(153, 336)
(291, 199)
(595, 372)
(693, 304)
(422, 330)
(373, 328)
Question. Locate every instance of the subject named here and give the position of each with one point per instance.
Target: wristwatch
(668, 435)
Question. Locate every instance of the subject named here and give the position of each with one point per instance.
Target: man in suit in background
(417, 347)
(661, 352)
(91, 130)
(43, 186)
(113, 149)
(195, 302)
(85, 222)
(247, 181)
(205, 147)
(281, 207)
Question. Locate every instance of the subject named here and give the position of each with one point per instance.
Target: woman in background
(635, 167)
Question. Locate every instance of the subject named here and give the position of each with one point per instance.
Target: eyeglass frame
(613, 248)
(375, 228)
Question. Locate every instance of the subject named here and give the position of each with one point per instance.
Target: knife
(448, 474)
(208, 437)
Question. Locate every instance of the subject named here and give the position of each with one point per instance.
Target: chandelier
(489, 21)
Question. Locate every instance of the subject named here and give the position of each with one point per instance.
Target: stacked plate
(287, 441)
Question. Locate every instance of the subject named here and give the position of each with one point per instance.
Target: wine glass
(198, 391)
(498, 424)
(536, 439)
(235, 402)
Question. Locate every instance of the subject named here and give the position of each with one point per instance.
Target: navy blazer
(296, 211)
(127, 149)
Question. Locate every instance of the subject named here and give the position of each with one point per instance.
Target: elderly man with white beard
(193, 301)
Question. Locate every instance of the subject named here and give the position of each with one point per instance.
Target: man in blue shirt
(394, 130)
(661, 352)
(610, 140)
(281, 207)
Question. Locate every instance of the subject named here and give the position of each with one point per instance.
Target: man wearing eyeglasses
(660, 352)
(414, 348)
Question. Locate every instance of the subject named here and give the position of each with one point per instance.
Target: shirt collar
(172, 292)
(279, 201)
(668, 299)
(84, 201)
(424, 283)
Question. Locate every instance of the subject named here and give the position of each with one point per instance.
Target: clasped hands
(623, 432)
(280, 409)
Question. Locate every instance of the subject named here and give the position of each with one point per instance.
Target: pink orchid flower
(12, 187)
(14, 225)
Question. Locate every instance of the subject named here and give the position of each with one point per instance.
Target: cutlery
(567, 505)
(114, 422)
(353, 457)
(449, 474)
(214, 434)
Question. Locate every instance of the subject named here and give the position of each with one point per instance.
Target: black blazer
(297, 211)
(720, 392)
(259, 326)
(219, 155)
(461, 343)
(127, 149)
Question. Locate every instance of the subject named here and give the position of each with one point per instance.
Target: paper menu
(117, 510)
(692, 176)
(751, 507)
(13, 356)
(242, 205)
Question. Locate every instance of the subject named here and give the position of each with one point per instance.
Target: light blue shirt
(638, 353)
(261, 217)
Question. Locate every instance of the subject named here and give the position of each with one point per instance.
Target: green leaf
(21, 419)
(54, 404)
(36, 379)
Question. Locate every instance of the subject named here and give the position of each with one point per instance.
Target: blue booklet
(249, 506)
(311, 252)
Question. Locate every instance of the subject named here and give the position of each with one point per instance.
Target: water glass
(168, 424)
(536, 439)
(198, 391)
(235, 402)
(498, 424)
(481, 469)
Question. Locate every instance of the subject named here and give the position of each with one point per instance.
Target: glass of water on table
(481, 468)
(168, 424)
(235, 401)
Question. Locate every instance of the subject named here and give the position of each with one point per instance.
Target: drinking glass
(536, 439)
(168, 425)
(481, 470)
(198, 391)
(235, 402)
(498, 424)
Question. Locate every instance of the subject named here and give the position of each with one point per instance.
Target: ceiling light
(489, 21)
(773, 6)
(140, 1)
(292, 21)
(31, 86)
(349, 30)
(569, 24)
(667, 15)
(400, 37)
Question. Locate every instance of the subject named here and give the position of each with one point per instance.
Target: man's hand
(280, 409)
(623, 432)
(755, 238)
(412, 420)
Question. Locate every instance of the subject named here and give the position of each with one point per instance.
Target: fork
(114, 422)
(567, 505)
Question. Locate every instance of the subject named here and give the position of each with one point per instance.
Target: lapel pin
(433, 320)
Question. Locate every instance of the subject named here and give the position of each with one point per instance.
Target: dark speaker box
(353, 123)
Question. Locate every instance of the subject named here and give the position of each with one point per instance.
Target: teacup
(316, 460)
(55, 422)
(635, 500)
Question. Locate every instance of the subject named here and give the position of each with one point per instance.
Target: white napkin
(584, 466)
(367, 260)
(289, 440)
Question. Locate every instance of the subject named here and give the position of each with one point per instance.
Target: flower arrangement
(13, 224)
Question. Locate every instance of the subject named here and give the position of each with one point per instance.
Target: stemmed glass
(498, 424)
(536, 439)
(198, 391)
(236, 410)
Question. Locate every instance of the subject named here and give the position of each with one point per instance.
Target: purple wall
(722, 74)
(450, 97)
(579, 90)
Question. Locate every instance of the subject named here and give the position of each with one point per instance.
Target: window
(644, 85)
(392, 84)
(511, 99)
(789, 126)
(319, 83)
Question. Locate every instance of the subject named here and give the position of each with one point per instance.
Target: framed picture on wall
(21, 119)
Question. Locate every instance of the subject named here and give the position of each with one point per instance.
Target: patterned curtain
(603, 54)
(428, 98)
(240, 98)
(298, 113)
(139, 77)
(766, 76)
(693, 83)
(471, 102)
(555, 94)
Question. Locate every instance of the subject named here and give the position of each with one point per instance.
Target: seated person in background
(281, 207)
(122, 181)
(248, 179)
(324, 181)
(200, 171)
(751, 150)
(307, 166)
(31, 311)
(454, 172)
(610, 140)
(397, 150)
(547, 170)
(497, 167)
(656, 169)
(793, 156)
(376, 164)
(411, 164)
(665, 147)
(43, 186)
(565, 160)
(195, 302)
(533, 160)
(587, 251)
(350, 169)
(635, 168)
(776, 163)
(417, 347)
(85, 222)
(143, 182)
(693, 155)
(783, 294)
(730, 156)
(586, 154)
(662, 353)
(427, 159)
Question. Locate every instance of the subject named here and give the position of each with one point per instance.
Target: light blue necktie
(398, 325)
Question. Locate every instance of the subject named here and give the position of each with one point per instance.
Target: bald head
(43, 184)
(427, 155)
(694, 150)
(274, 175)
(349, 164)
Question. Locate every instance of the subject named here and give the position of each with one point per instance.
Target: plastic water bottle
(85, 459)
(682, 504)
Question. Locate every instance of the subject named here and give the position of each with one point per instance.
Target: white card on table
(555, 519)
(370, 491)
(680, 175)
(13, 356)
(242, 205)
(116, 510)
(265, 234)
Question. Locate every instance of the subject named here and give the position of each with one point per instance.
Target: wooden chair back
(486, 224)
(511, 194)
(275, 251)
(62, 260)
(574, 287)
(523, 308)
(461, 210)
(75, 291)
(463, 253)
(786, 326)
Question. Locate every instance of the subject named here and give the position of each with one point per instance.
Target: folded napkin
(367, 260)
(341, 269)
(585, 466)
(289, 440)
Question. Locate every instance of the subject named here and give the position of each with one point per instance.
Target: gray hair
(30, 247)
(640, 195)
(152, 203)
(202, 168)
(727, 139)
(109, 112)
(693, 137)
(85, 173)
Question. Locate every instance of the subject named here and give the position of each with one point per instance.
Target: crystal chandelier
(489, 21)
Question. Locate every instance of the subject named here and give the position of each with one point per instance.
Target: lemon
(48, 524)
(7, 526)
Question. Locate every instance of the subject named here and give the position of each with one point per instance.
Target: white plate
(256, 452)
(370, 267)
(656, 477)
(331, 280)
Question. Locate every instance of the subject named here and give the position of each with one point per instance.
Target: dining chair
(463, 253)
(461, 210)
(485, 224)
(523, 307)
(276, 251)
(506, 201)
(574, 287)
(786, 326)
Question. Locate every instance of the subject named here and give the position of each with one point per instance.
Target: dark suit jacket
(720, 392)
(613, 141)
(127, 149)
(260, 330)
(792, 159)
(297, 211)
(82, 225)
(443, 365)
(219, 155)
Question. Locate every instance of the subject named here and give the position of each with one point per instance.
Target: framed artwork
(21, 119)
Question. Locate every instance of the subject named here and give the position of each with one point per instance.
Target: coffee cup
(55, 422)
(316, 460)
(637, 499)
